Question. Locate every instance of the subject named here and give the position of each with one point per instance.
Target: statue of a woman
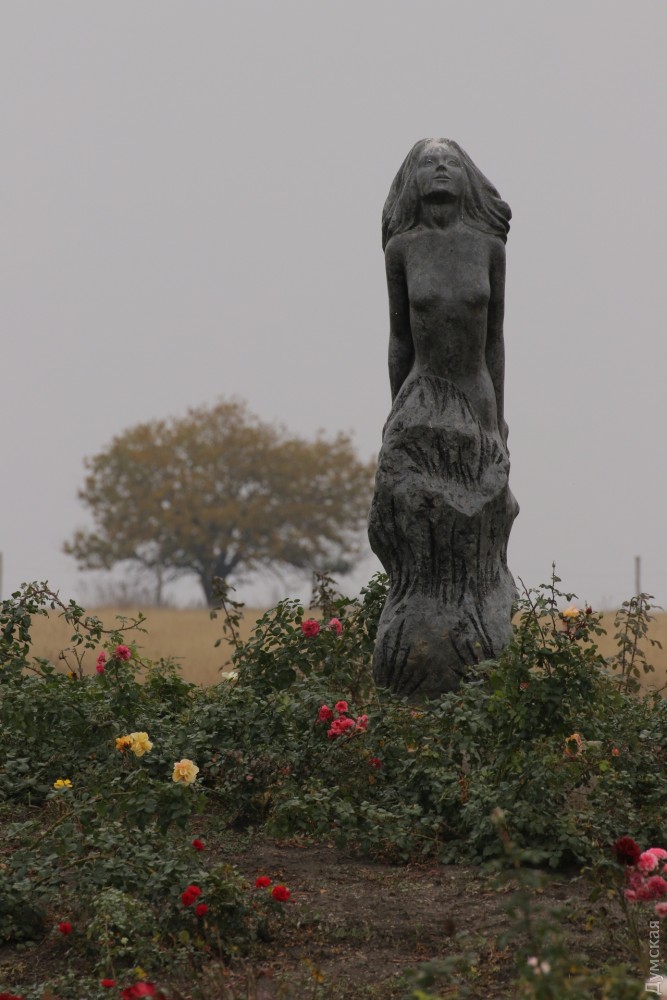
(442, 509)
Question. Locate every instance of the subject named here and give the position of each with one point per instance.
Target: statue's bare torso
(445, 286)
(444, 289)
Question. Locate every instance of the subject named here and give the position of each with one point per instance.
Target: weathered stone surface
(442, 509)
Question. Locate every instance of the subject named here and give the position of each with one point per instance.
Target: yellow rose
(123, 742)
(62, 783)
(185, 771)
(140, 744)
(570, 613)
(573, 746)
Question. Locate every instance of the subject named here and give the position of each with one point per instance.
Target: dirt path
(361, 925)
(356, 927)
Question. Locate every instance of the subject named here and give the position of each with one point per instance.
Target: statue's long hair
(481, 206)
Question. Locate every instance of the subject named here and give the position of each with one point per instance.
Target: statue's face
(439, 172)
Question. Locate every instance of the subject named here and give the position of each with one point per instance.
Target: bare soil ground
(355, 928)
(365, 925)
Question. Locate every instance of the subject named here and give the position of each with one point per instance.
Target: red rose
(375, 762)
(197, 844)
(324, 714)
(9, 996)
(201, 909)
(65, 927)
(191, 893)
(310, 627)
(263, 882)
(341, 706)
(108, 983)
(281, 893)
(627, 851)
(139, 990)
(123, 653)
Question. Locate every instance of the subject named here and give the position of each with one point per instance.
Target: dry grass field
(655, 656)
(189, 636)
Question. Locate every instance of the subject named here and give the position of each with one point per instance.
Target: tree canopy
(217, 493)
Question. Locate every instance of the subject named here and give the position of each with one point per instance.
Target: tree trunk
(206, 580)
(219, 569)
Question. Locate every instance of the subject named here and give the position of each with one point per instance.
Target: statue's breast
(452, 287)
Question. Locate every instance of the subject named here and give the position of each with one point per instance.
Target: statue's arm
(495, 342)
(401, 346)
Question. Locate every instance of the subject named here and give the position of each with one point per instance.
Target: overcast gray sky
(191, 206)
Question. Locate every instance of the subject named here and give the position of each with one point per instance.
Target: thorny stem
(640, 951)
(635, 637)
(533, 609)
(71, 864)
(230, 610)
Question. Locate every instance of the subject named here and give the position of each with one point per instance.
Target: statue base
(439, 523)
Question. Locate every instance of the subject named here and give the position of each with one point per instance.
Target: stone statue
(442, 510)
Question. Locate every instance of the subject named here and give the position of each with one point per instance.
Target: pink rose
(122, 652)
(336, 625)
(341, 706)
(647, 862)
(661, 910)
(310, 627)
(339, 727)
(101, 661)
(630, 895)
(658, 852)
(634, 879)
(362, 723)
(324, 714)
(657, 886)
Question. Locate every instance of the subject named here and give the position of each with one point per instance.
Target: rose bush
(547, 734)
